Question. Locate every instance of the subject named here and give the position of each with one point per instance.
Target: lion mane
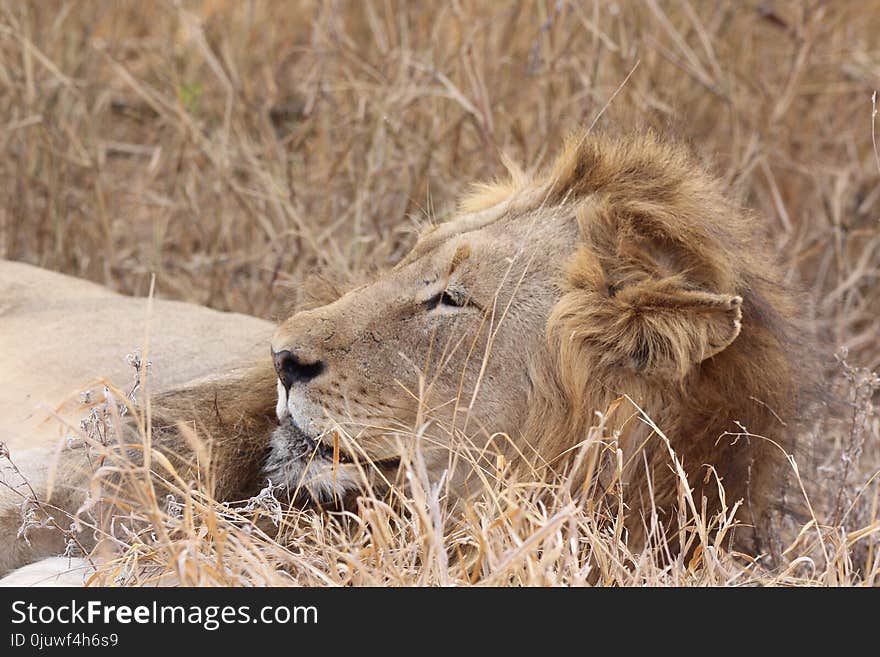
(673, 301)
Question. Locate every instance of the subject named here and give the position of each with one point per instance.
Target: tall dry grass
(232, 148)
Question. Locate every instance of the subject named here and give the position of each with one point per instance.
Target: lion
(63, 348)
(619, 285)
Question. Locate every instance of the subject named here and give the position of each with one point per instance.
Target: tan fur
(620, 272)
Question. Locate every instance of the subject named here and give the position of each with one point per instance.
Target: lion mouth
(307, 447)
(291, 444)
(325, 451)
(319, 472)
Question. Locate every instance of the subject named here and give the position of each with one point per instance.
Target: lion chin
(304, 467)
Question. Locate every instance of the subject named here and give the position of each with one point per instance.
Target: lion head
(621, 272)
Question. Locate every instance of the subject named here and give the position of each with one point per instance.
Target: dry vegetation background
(234, 147)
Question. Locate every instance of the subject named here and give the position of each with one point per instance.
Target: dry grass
(234, 147)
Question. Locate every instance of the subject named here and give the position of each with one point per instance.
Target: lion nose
(292, 370)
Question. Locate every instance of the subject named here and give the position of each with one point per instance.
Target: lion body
(621, 281)
(61, 337)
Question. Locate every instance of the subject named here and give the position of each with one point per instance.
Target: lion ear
(663, 331)
(652, 326)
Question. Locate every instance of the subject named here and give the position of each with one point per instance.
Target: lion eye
(445, 298)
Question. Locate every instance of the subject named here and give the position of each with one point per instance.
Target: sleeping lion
(619, 286)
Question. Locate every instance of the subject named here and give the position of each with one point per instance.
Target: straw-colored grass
(232, 148)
